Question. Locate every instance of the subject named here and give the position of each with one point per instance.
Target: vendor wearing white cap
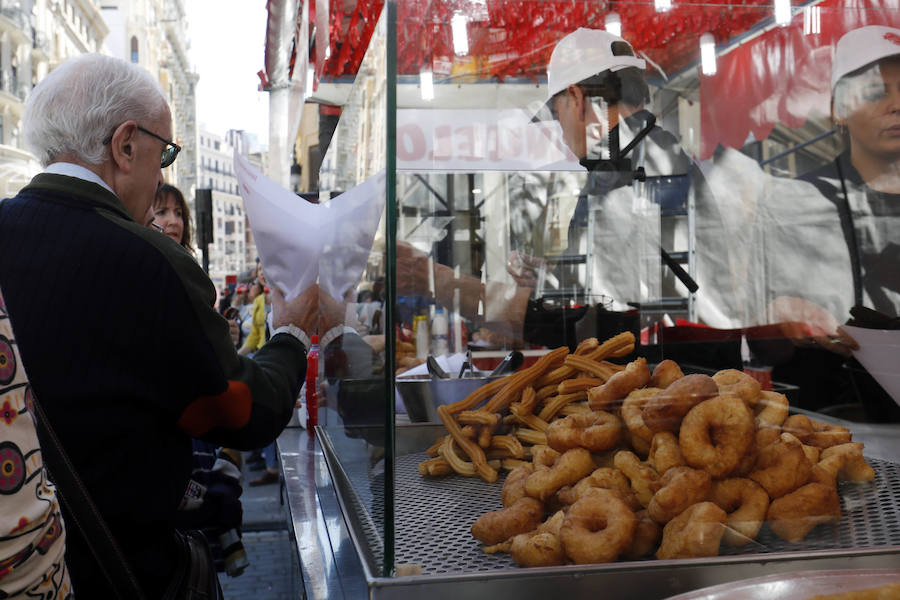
(597, 93)
(864, 181)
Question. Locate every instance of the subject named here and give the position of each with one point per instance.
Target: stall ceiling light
(662, 5)
(614, 24)
(783, 12)
(460, 34)
(812, 20)
(708, 54)
(426, 83)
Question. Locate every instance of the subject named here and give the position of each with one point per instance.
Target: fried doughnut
(570, 467)
(665, 410)
(665, 374)
(746, 504)
(781, 467)
(792, 516)
(772, 408)
(514, 486)
(820, 474)
(646, 537)
(665, 452)
(500, 525)
(632, 415)
(606, 478)
(827, 436)
(680, 487)
(846, 463)
(748, 462)
(716, 434)
(541, 547)
(738, 383)
(694, 533)
(595, 431)
(812, 453)
(636, 375)
(597, 528)
(543, 456)
(800, 426)
(644, 480)
(771, 411)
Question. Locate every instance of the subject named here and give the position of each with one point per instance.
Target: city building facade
(154, 34)
(35, 36)
(232, 251)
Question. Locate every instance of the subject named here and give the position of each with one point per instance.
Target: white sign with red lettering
(479, 140)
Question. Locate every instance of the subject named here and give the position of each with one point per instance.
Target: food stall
(600, 268)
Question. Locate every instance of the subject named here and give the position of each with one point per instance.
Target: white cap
(863, 46)
(585, 53)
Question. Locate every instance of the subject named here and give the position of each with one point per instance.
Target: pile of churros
(610, 462)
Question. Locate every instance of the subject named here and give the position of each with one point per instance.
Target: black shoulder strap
(83, 511)
(846, 216)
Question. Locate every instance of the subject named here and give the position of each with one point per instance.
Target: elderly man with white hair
(129, 374)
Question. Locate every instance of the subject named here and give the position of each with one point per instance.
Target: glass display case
(710, 184)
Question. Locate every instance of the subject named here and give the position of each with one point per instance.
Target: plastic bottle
(423, 337)
(312, 373)
(439, 330)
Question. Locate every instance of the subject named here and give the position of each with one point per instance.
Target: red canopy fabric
(782, 76)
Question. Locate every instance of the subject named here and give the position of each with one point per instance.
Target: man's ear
(577, 96)
(122, 146)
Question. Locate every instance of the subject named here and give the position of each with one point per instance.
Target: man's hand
(331, 312)
(808, 324)
(524, 268)
(302, 311)
(412, 270)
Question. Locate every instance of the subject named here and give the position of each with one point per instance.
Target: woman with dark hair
(172, 215)
(864, 181)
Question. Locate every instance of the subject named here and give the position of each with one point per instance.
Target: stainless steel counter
(333, 568)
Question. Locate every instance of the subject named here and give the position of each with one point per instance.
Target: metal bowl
(422, 395)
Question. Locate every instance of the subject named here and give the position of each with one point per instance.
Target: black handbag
(195, 577)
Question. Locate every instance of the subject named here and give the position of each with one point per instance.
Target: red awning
(782, 76)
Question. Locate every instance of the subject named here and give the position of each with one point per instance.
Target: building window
(134, 49)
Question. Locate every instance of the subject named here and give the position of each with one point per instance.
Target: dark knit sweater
(126, 353)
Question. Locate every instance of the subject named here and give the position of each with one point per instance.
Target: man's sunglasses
(169, 153)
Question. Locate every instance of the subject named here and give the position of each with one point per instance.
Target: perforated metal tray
(433, 519)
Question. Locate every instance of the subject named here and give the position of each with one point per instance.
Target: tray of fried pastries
(577, 460)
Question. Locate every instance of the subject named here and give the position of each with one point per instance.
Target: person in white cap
(597, 93)
(864, 181)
